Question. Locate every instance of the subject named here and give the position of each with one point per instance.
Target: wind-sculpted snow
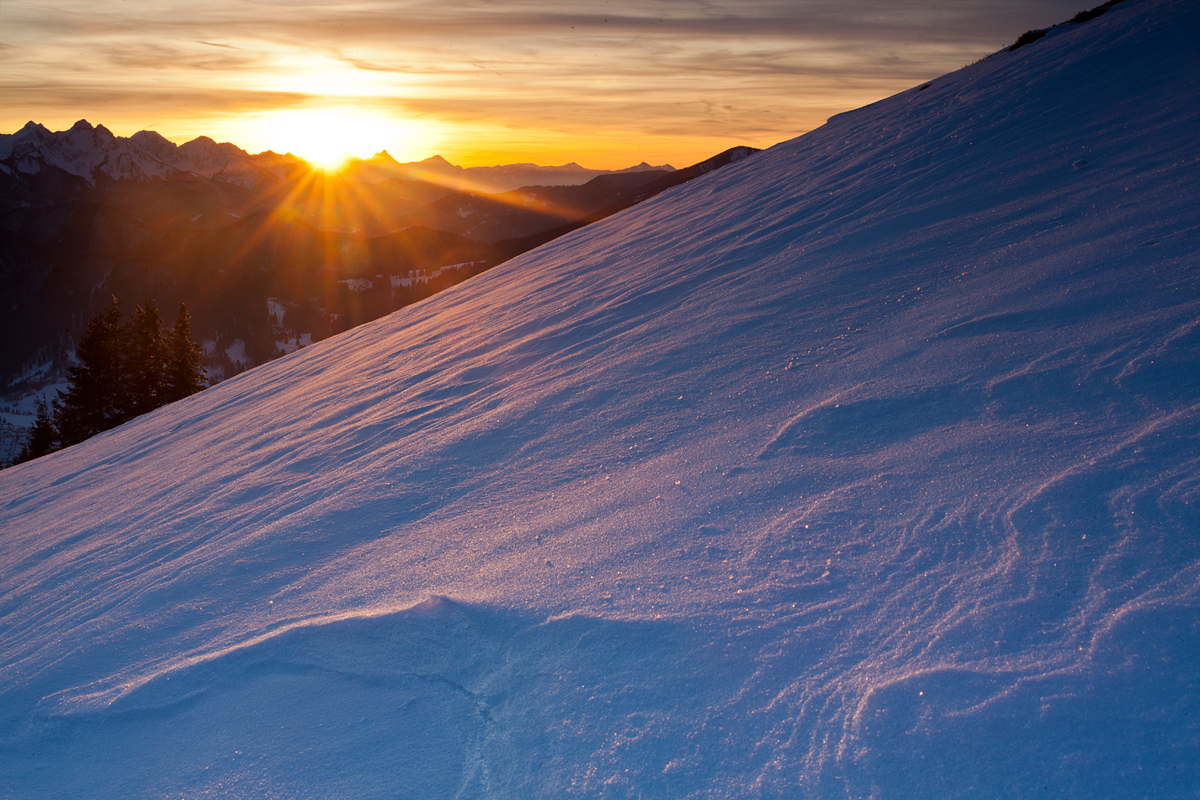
(864, 467)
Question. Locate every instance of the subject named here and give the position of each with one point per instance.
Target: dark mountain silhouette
(509, 248)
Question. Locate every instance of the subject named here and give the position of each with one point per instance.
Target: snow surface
(425, 276)
(236, 351)
(20, 408)
(865, 467)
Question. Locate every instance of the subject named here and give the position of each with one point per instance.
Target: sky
(606, 83)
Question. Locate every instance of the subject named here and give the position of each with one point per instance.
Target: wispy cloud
(757, 70)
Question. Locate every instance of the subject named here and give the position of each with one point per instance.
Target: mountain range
(865, 467)
(94, 153)
(502, 178)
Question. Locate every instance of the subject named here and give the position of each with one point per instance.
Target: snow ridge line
(78, 701)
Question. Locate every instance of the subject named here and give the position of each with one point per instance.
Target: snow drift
(865, 467)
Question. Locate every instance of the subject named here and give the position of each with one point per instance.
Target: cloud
(830, 20)
(185, 57)
(153, 101)
(749, 70)
(563, 24)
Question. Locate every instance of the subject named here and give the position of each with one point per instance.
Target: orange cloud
(522, 80)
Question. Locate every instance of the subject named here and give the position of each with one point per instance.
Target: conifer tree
(184, 371)
(123, 370)
(145, 359)
(43, 436)
(94, 400)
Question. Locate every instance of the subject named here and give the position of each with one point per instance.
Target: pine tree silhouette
(122, 371)
(43, 437)
(184, 374)
(145, 360)
(94, 400)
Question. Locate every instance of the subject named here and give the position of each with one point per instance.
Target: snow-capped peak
(92, 152)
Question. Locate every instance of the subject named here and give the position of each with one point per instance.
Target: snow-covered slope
(866, 467)
(92, 151)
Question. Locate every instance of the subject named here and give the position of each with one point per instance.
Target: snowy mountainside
(865, 467)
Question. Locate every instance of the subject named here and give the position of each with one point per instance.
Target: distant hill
(529, 209)
(490, 180)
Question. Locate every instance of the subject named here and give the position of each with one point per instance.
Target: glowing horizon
(328, 138)
(604, 86)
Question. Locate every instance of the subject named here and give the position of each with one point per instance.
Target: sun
(327, 138)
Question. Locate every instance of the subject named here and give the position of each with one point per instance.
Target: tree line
(122, 370)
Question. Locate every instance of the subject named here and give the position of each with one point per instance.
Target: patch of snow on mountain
(866, 467)
(236, 352)
(91, 152)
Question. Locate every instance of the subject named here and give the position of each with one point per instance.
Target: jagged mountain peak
(435, 162)
(151, 137)
(93, 151)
